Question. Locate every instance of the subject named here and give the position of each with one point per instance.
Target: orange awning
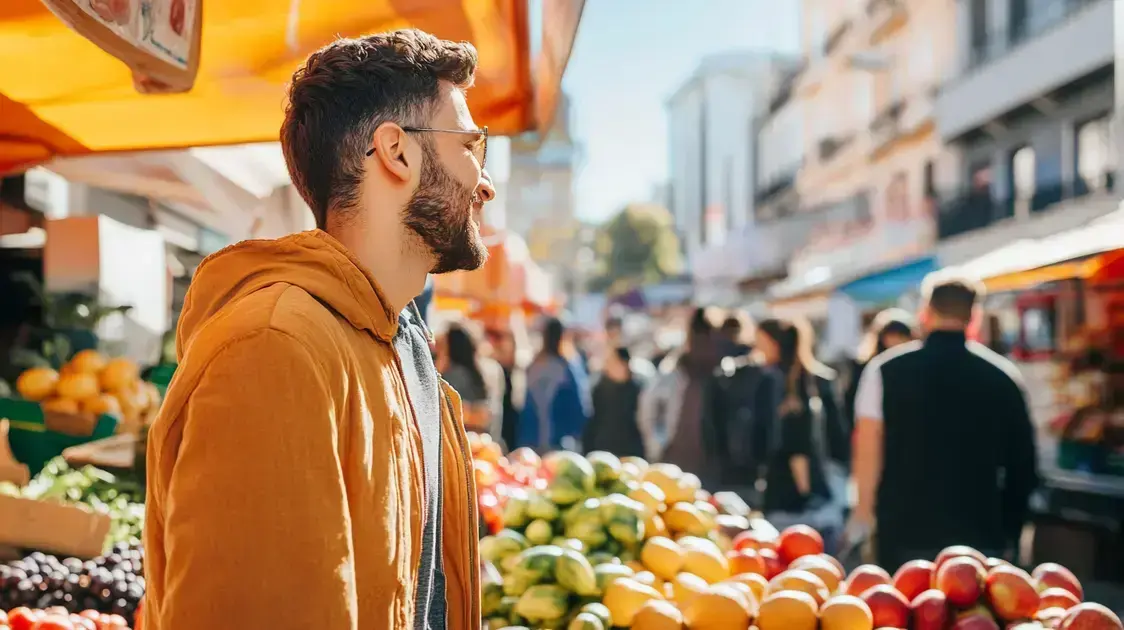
(510, 280)
(1092, 268)
(62, 95)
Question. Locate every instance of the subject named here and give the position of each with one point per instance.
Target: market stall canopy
(60, 94)
(510, 280)
(1076, 253)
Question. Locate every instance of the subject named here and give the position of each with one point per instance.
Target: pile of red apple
(58, 618)
(964, 590)
(497, 475)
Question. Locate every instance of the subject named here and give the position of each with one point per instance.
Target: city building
(540, 195)
(872, 159)
(711, 150)
(1027, 112)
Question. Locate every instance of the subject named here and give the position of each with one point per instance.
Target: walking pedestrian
(944, 445)
(616, 398)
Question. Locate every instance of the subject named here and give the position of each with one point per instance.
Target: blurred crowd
(747, 406)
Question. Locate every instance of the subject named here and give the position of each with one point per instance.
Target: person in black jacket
(615, 402)
(944, 444)
(797, 488)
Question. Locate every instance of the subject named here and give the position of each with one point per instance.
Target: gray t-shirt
(412, 344)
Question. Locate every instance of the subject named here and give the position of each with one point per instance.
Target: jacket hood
(313, 261)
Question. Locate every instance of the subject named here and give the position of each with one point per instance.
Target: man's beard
(440, 214)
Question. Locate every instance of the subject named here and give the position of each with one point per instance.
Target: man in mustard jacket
(308, 468)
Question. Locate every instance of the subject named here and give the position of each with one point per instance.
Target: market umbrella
(62, 95)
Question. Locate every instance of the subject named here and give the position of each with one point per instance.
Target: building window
(979, 176)
(864, 88)
(921, 56)
(1094, 155)
(979, 37)
(1022, 179)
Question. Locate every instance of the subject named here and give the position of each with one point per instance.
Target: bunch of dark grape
(113, 583)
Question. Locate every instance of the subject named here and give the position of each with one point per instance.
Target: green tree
(637, 246)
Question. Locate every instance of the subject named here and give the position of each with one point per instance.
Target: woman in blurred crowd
(557, 404)
(477, 379)
(676, 419)
(889, 328)
(746, 400)
(797, 488)
(505, 350)
(616, 397)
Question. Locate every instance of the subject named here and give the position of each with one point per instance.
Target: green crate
(32, 443)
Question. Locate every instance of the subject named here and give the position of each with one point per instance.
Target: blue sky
(630, 55)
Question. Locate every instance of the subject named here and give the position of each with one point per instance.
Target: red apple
(977, 620)
(930, 611)
(1090, 616)
(889, 607)
(864, 577)
(798, 541)
(962, 579)
(1012, 593)
(773, 564)
(1057, 598)
(913, 578)
(1050, 617)
(1052, 574)
(956, 551)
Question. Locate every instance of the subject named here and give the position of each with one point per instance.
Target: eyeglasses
(481, 152)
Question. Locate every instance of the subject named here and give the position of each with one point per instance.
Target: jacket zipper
(473, 517)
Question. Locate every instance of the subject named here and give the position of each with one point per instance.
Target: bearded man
(308, 468)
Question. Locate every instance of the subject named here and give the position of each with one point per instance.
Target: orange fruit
(846, 612)
(721, 607)
(119, 374)
(745, 560)
(800, 580)
(77, 386)
(788, 610)
(99, 405)
(756, 583)
(658, 615)
(60, 405)
(662, 556)
(88, 361)
(36, 384)
(685, 587)
(821, 568)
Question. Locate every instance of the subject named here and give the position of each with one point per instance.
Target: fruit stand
(598, 542)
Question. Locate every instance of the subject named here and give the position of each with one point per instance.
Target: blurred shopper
(506, 351)
(735, 333)
(675, 417)
(746, 399)
(797, 486)
(478, 379)
(306, 433)
(616, 399)
(640, 367)
(944, 446)
(557, 404)
(889, 328)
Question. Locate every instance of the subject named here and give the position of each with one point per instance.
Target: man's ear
(389, 143)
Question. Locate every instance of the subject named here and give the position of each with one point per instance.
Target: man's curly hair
(345, 91)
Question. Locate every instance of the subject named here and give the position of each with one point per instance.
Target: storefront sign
(157, 39)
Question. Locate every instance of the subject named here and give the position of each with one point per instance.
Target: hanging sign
(157, 39)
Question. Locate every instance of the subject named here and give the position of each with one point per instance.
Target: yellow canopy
(61, 95)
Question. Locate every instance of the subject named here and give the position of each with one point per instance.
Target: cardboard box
(52, 527)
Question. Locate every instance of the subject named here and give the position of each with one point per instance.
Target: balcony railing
(882, 15)
(998, 43)
(830, 146)
(779, 184)
(836, 36)
(976, 210)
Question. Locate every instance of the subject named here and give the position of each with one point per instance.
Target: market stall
(596, 542)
